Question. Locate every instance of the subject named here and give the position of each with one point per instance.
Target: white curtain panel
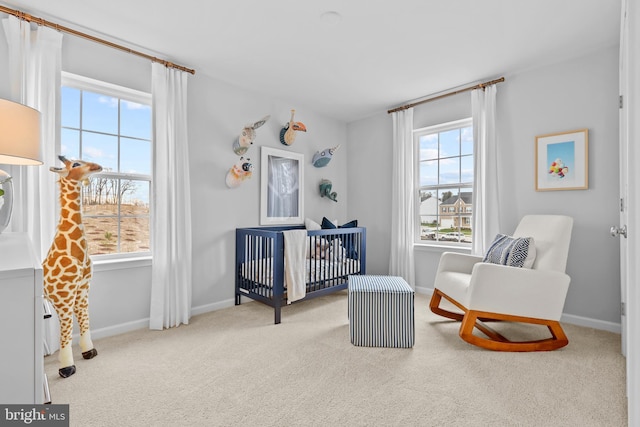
(403, 219)
(34, 73)
(35, 68)
(171, 219)
(486, 206)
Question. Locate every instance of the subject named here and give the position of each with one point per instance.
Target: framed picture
(281, 187)
(562, 161)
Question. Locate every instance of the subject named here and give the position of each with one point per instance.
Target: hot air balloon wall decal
(244, 141)
(288, 131)
(322, 158)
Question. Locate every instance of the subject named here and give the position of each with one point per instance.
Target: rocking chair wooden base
(475, 319)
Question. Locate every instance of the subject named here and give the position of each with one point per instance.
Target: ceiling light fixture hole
(331, 18)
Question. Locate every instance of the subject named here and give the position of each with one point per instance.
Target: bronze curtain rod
(444, 95)
(29, 18)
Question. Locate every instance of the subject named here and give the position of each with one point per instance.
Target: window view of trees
(115, 221)
(111, 126)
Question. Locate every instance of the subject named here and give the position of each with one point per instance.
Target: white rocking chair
(484, 291)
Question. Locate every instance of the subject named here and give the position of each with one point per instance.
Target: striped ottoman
(380, 312)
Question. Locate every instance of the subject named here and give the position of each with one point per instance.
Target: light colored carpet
(234, 367)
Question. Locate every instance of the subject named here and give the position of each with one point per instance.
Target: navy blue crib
(332, 256)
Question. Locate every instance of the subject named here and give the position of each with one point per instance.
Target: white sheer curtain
(34, 72)
(401, 261)
(171, 222)
(34, 64)
(486, 206)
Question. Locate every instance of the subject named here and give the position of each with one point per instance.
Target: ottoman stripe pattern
(381, 312)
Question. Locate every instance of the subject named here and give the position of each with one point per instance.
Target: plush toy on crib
(327, 249)
(321, 249)
(67, 268)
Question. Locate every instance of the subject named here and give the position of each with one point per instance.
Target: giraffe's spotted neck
(70, 201)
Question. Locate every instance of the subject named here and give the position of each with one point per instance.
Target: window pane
(101, 232)
(450, 143)
(70, 143)
(466, 212)
(466, 140)
(428, 226)
(135, 120)
(450, 216)
(70, 102)
(445, 195)
(101, 149)
(100, 197)
(100, 214)
(134, 225)
(449, 171)
(99, 112)
(135, 193)
(429, 147)
(135, 234)
(466, 169)
(135, 156)
(429, 173)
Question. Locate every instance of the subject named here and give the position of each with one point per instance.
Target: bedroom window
(110, 125)
(445, 182)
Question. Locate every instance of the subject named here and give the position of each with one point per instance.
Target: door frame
(630, 130)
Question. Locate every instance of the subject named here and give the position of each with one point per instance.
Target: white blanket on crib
(294, 263)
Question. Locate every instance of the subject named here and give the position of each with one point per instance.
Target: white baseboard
(591, 323)
(427, 291)
(144, 323)
(201, 309)
(602, 325)
(121, 328)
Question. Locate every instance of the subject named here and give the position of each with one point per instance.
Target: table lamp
(19, 145)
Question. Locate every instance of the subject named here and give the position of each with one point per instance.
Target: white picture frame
(281, 187)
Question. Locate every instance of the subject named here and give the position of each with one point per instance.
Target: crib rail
(332, 255)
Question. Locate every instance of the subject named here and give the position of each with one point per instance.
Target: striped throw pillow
(512, 251)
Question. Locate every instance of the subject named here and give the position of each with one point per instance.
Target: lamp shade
(19, 134)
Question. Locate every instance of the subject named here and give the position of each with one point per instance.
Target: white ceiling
(381, 54)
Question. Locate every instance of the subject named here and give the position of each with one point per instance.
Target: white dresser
(21, 321)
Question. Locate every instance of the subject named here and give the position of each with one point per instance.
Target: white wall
(217, 112)
(369, 185)
(578, 93)
(581, 93)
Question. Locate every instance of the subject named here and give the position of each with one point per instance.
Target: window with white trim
(111, 125)
(444, 182)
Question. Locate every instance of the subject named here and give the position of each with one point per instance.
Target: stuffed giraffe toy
(67, 268)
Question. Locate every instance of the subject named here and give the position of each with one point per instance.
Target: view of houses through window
(111, 126)
(445, 182)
